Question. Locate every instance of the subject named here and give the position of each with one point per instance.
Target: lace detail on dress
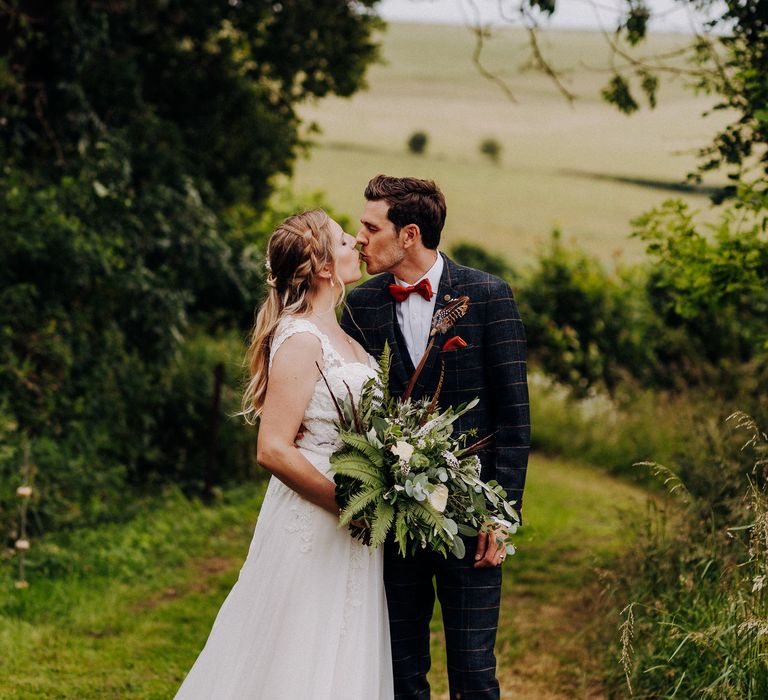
(301, 523)
(289, 326)
(354, 597)
(321, 435)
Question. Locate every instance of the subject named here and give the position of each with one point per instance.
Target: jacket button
(447, 297)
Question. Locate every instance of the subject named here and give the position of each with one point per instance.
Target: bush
(185, 425)
(587, 328)
(106, 302)
(417, 142)
(694, 315)
(491, 149)
(710, 292)
(473, 255)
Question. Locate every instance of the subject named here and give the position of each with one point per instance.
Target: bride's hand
(362, 523)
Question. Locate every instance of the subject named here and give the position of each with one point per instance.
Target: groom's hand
(490, 548)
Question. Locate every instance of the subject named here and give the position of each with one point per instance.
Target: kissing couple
(315, 613)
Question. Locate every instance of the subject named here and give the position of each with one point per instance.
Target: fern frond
(428, 515)
(385, 362)
(382, 522)
(358, 467)
(359, 501)
(401, 530)
(360, 443)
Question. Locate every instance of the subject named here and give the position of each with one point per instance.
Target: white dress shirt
(414, 315)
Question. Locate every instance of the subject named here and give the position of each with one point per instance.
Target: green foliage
(98, 288)
(714, 287)
(357, 466)
(131, 138)
(586, 327)
(732, 64)
(417, 142)
(695, 314)
(385, 514)
(474, 255)
(617, 92)
(636, 22)
(361, 444)
(179, 446)
(491, 149)
(198, 92)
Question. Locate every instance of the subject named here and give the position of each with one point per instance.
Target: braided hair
(297, 251)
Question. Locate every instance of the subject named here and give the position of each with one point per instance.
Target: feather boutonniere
(442, 321)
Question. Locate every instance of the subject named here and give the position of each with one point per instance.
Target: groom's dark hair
(411, 201)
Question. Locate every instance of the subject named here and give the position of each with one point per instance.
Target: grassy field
(125, 610)
(585, 168)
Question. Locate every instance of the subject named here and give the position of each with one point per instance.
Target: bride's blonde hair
(297, 251)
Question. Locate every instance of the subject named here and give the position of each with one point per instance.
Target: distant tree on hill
(491, 149)
(417, 142)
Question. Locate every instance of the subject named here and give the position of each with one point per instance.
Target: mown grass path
(127, 633)
(577, 519)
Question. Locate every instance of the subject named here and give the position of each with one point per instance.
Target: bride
(307, 617)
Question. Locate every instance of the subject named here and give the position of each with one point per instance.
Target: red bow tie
(423, 289)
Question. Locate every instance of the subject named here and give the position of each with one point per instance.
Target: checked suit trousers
(469, 599)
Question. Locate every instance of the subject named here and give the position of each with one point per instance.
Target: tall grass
(614, 434)
(697, 620)
(693, 590)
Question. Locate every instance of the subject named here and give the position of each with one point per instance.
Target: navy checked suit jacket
(492, 367)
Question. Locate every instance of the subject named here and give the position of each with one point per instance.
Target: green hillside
(585, 168)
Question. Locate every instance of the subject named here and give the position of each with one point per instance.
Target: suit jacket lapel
(398, 373)
(445, 292)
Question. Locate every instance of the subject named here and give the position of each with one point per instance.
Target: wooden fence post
(213, 433)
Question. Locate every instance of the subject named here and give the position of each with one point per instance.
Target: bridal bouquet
(401, 468)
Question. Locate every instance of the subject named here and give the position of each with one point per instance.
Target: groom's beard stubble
(374, 266)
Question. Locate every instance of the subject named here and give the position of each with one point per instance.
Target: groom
(483, 357)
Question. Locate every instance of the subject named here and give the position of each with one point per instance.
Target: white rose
(438, 499)
(24, 491)
(403, 450)
(22, 544)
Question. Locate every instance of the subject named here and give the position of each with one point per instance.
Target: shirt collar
(433, 274)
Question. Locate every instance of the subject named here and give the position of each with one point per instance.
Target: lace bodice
(320, 434)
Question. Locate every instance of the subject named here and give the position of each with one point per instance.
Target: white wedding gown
(307, 618)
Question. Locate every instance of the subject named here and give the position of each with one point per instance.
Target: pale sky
(671, 15)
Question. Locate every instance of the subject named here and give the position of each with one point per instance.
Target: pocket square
(452, 343)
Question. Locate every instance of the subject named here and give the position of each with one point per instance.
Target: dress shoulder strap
(291, 326)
